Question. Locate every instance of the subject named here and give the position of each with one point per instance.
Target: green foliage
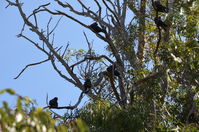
(74, 53)
(8, 90)
(103, 116)
(34, 120)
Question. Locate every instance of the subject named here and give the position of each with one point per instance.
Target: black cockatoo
(160, 23)
(112, 70)
(87, 85)
(96, 28)
(159, 7)
(53, 103)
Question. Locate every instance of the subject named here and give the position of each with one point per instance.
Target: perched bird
(160, 23)
(87, 85)
(53, 103)
(158, 7)
(111, 69)
(96, 28)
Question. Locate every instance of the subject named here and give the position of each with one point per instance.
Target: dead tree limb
(33, 64)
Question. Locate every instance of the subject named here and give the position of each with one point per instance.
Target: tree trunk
(141, 39)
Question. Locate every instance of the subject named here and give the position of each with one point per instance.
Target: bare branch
(55, 25)
(100, 8)
(59, 72)
(89, 13)
(70, 107)
(35, 44)
(107, 39)
(87, 9)
(56, 114)
(100, 75)
(11, 3)
(117, 4)
(114, 89)
(49, 45)
(114, 13)
(33, 64)
(48, 27)
(64, 14)
(92, 58)
(65, 50)
(35, 18)
(89, 45)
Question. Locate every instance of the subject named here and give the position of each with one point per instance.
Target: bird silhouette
(112, 70)
(96, 28)
(159, 7)
(87, 85)
(53, 103)
(160, 23)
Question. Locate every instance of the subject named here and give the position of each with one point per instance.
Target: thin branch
(89, 13)
(99, 7)
(114, 14)
(55, 25)
(35, 44)
(59, 72)
(100, 75)
(41, 6)
(117, 4)
(88, 10)
(149, 77)
(35, 18)
(35, 11)
(113, 5)
(56, 114)
(114, 89)
(47, 99)
(64, 14)
(65, 50)
(92, 58)
(48, 27)
(59, 49)
(10, 3)
(33, 64)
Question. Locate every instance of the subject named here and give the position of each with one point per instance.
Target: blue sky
(16, 53)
